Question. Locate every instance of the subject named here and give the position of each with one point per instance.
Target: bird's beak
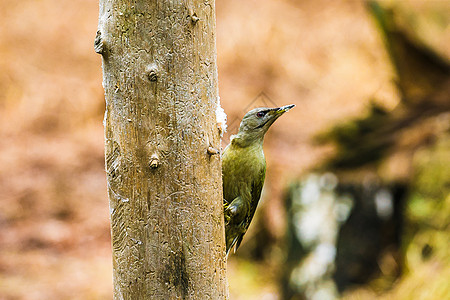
(275, 113)
(283, 109)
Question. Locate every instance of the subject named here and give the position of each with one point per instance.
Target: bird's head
(256, 122)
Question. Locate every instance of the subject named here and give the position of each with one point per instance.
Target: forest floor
(324, 56)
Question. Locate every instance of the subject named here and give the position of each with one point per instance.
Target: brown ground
(324, 56)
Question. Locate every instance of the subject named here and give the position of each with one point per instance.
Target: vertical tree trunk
(165, 190)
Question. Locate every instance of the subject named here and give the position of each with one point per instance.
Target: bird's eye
(260, 114)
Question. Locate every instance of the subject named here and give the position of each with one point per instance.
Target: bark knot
(152, 73)
(154, 161)
(98, 43)
(194, 18)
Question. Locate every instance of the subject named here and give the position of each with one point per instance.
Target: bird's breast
(240, 168)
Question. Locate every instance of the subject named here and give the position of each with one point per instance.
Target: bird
(244, 171)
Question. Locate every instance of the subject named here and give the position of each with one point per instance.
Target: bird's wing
(236, 214)
(256, 189)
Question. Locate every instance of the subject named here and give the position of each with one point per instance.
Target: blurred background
(356, 203)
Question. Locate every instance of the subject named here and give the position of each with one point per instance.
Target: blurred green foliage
(428, 210)
(427, 235)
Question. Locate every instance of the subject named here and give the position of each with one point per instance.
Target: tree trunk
(164, 186)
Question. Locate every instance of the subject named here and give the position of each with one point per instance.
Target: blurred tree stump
(165, 189)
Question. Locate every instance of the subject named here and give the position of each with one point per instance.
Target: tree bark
(164, 186)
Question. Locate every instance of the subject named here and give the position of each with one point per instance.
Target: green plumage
(244, 170)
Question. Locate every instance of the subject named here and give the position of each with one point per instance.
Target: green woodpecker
(244, 170)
